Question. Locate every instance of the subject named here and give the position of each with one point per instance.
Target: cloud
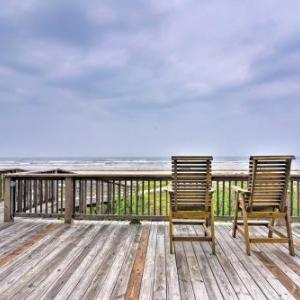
(149, 68)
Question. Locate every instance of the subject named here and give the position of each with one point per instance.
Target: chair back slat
(191, 182)
(268, 181)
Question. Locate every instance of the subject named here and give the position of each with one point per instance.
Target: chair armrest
(238, 189)
(170, 190)
(212, 190)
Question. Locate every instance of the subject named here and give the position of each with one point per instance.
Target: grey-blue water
(120, 163)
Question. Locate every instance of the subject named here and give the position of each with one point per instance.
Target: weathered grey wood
(13, 234)
(9, 248)
(280, 251)
(148, 277)
(56, 279)
(221, 278)
(173, 291)
(72, 261)
(8, 217)
(2, 212)
(212, 288)
(231, 274)
(270, 248)
(278, 273)
(31, 279)
(242, 272)
(274, 282)
(89, 284)
(84, 268)
(119, 245)
(69, 195)
(135, 279)
(26, 260)
(184, 278)
(112, 276)
(120, 287)
(160, 286)
(197, 281)
(254, 272)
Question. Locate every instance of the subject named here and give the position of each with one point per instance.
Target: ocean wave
(107, 164)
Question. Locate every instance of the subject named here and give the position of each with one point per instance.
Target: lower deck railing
(115, 196)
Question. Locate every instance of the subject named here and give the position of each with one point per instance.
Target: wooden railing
(1, 187)
(123, 195)
(2, 173)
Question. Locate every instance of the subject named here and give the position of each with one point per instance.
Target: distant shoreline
(101, 164)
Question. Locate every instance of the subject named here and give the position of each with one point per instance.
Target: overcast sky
(149, 78)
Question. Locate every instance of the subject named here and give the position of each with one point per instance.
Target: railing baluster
(148, 197)
(119, 197)
(143, 197)
(41, 195)
(125, 197)
(229, 199)
(292, 197)
(102, 196)
(218, 198)
(24, 194)
(298, 198)
(223, 197)
(109, 196)
(56, 196)
(167, 199)
(52, 196)
(113, 197)
(160, 194)
(62, 196)
(46, 195)
(137, 197)
(154, 195)
(97, 196)
(80, 196)
(131, 197)
(29, 204)
(91, 196)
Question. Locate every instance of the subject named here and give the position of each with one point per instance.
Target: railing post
(1, 187)
(69, 200)
(8, 217)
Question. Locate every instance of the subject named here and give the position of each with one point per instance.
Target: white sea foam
(106, 164)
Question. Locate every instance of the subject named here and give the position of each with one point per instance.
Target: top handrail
(216, 175)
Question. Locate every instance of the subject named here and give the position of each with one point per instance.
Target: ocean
(120, 163)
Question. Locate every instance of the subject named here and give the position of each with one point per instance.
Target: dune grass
(154, 202)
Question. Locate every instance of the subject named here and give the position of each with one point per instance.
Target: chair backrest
(268, 181)
(191, 182)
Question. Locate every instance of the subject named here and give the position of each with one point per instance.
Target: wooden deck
(41, 259)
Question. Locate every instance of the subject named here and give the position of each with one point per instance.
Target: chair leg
(272, 223)
(246, 228)
(289, 234)
(171, 229)
(212, 232)
(235, 215)
(171, 236)
(206, 224)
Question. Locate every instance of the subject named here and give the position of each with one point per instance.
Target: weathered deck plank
(45, 259)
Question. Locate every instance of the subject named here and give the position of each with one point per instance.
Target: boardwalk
(41, 259)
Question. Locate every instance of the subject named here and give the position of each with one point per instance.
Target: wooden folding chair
(265, 199)
(191, 197)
